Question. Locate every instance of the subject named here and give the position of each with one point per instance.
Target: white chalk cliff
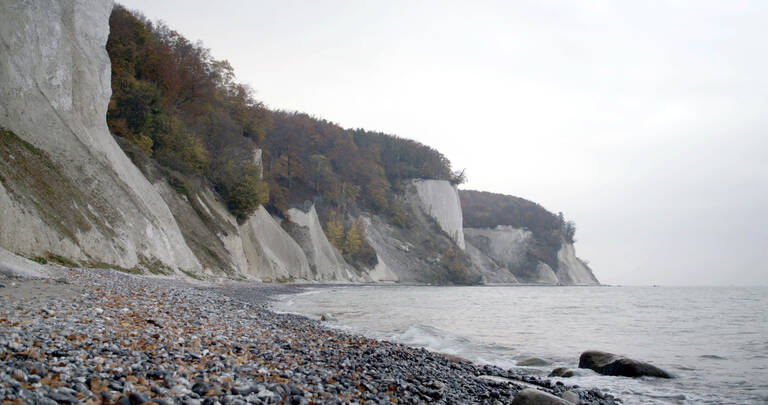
(67, 188)
(571, 269)
(326, 262)
(507, 246)
(272, 254)
(54, 90)
(440, 199)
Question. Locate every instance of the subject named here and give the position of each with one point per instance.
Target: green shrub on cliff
(247, 195)
(457, 263)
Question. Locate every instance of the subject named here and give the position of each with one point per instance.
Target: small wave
(712, 357)
(441, 341)
(677, 397)
(433, 338)
(289, 299)
(645, 395)
(312, 291)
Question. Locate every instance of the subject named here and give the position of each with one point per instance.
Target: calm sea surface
(714, 339)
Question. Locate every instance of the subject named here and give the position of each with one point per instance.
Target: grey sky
(646, 122)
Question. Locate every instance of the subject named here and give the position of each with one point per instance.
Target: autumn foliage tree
(247, 195)
(185, 109)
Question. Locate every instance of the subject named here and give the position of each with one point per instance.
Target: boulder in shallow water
(611, 364)
(562, 372)
(530, 396)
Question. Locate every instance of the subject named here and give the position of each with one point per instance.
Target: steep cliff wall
(67, 188)
(440, 199)
(571, 269)
(272, 254)
(508, 247)
(393, 251)
(489, 270)
(324, 260)
(209, 230)
(70, 189)
(420, 252)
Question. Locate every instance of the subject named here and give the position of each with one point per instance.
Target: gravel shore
(98, 336)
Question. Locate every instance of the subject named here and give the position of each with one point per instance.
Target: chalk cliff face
(272, 254)
(440, 199)
(417, 253)
(414, 253)
(67, 188)
(324, 260)
(507, 247)
(54, 90)
(571, 269)
(12, 265)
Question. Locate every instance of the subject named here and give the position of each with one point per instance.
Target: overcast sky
(645, 122)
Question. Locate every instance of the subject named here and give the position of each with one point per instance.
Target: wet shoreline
(101, 336)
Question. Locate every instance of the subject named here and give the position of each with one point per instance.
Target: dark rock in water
(530, 396)
(611, 364)
(532, 362)
(561, 372)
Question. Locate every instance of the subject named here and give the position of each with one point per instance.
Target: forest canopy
(184, 109)
(482, 209)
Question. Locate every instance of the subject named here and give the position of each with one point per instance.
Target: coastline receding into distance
(170, 235)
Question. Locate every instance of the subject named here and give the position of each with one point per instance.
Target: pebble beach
(96, 336)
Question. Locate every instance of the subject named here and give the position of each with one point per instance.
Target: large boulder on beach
(611, 364)
(530, 396)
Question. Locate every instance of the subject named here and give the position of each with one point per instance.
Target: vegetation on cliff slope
(184, 108)
(487, 210)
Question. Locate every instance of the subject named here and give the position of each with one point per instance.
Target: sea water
(714, 340)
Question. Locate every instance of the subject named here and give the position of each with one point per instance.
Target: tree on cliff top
(184, 108)
(487, 210)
